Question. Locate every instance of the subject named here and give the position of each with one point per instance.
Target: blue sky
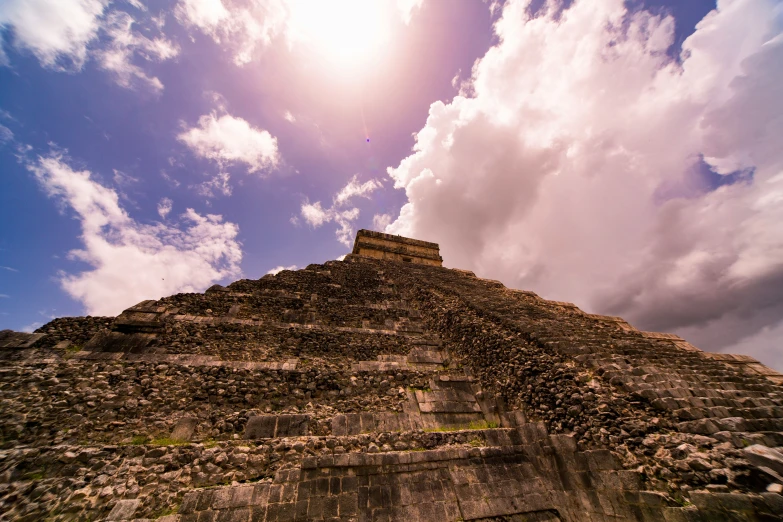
(598, 155)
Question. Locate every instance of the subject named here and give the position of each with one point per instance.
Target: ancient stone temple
(381, 387)
(396, 248)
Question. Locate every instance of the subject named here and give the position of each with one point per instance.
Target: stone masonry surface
(376, 389)
(396, 248)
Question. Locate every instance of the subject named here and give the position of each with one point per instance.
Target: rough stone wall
(380, 390)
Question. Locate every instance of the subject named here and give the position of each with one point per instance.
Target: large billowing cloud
(132, 261)
(586, 164)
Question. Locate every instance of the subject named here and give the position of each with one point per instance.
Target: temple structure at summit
(396, 248)
(383, 387)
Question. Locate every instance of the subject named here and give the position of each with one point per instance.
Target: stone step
(187, 360)
(18, 340)
(710, 426)
(416, 359)
(517, 481)
(363, 423)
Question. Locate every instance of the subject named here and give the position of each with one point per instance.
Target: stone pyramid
(381, 387)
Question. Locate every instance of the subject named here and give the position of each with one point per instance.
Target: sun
(348, 33)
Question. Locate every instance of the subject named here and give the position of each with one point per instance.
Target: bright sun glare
(347, 32)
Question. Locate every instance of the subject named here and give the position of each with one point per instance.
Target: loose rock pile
(76, 330)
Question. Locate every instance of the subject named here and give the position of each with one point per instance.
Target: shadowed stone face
(380, 389)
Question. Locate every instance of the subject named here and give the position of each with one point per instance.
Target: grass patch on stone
(166, 512)
(168, 441)
(35, 475)
(682, 502)
(440, 429)
(210, 443)
(482, 425)
(138, 440)
(476, 443)
(72, 350)
(476, 425)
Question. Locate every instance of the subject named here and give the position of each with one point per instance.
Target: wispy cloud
(133, 261)
(125, 44)
(57, 32)
(244, 28)
(30, 328)
(65, 34)
(9, 268)
(280, 268)
(229, 140)
(5, 134)
(164, 207)
(381, 221)
(315, 215)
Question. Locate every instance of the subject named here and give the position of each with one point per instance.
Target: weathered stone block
(18, 340)
(270, 426)
(184, 428)
(124, 509)
(765, 457)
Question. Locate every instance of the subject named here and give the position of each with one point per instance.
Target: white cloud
(381, 221)
(5, 134)
(219, 184)
(63, 35)
(276, 270)
(356, 189)
(4, 296)
(228, 140)
(124, 44)
(132, 261)
(315, 215)
(57, 32)
(207, 15)
(9, 268)
(137, 4)
(290, 118)
(121, 179)
(574, 168)
(244, 27)
(169, 179)
(406, 8)
(30, 328)
(164, 207)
